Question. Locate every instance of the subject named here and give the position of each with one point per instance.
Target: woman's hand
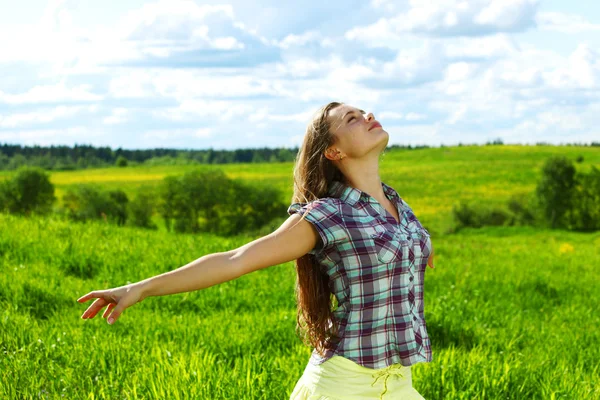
(118, 299)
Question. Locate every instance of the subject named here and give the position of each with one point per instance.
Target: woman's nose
(370, 117)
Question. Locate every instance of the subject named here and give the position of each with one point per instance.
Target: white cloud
(410, 67)
(300, 40)
(47, 137)
(389, 115)
(462, 18)
(184, 84)
(382, 33)
(51, 94)
(395, 116)
(385, 5)
(117, 116)
(42, 116)
(566, 23)
(177, 134)
(481, 48)
(131, 84)
(582, 70)
(212, 111)
(157, 31)
(446, 18)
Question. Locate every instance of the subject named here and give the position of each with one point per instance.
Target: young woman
(356, 243)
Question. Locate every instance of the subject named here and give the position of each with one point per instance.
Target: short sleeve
(413, 222)
(324, 215)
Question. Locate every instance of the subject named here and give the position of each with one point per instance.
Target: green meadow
(512, 312)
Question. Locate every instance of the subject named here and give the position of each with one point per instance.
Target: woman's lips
(375, 125)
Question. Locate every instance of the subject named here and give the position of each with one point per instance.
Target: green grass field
(512, 312)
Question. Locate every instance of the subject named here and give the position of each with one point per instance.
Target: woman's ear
(334, 154)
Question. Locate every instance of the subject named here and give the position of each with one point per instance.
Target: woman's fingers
(117, 299)
(118, 309)
(90, 295)
(94, 308)
(108, 310)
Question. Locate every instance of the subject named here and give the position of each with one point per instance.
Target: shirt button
(410, 279)
(414, 318)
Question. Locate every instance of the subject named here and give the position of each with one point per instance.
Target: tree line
(61, 158)
(14, 156)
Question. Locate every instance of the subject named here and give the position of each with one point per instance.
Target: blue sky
(240, 74)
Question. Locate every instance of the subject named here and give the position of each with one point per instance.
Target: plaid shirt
(376, 268)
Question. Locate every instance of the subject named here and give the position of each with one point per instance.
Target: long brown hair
(313, 173)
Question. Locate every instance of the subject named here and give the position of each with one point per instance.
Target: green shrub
(85, 202)
(466, 215)
(247, 208)
(555, 191)
(29, 191)
(121, 161)
(119, 209)
(208, 201)
(585, 214)
(522, 210)
(141, 209)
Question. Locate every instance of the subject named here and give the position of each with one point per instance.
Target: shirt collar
(351, 195)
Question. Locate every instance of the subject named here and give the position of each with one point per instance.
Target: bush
(476, 217)
(84, 202)
(121, 161)
(522, 209)
(210, 202)
(555, 191)
(585, 214)
(187, 198)
(465, 215)
(3, 197)
(119, 209)
(29, 191)
(248, 208)
(142, 208)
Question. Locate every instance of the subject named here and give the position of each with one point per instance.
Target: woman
(355, 241)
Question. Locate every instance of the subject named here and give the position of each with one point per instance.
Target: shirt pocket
(391, 247)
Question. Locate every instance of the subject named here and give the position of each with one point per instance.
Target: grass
(511, 311)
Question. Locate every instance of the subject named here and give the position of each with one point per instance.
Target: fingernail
(110, 321)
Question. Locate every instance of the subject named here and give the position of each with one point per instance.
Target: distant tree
(3, 197)
(86, 202)
(29, 191)
(555, 190)
(17, 161)
(187, 198)
(4, 161)
(586, 207)
(119, 209)
(141, 209)
(121, 161)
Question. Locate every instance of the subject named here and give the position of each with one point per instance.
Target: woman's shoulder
(324, 205)
(322, 201)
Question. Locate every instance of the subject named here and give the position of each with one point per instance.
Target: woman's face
(357, 134)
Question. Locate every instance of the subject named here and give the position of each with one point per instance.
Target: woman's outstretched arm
(201, 273)
(293, 239)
